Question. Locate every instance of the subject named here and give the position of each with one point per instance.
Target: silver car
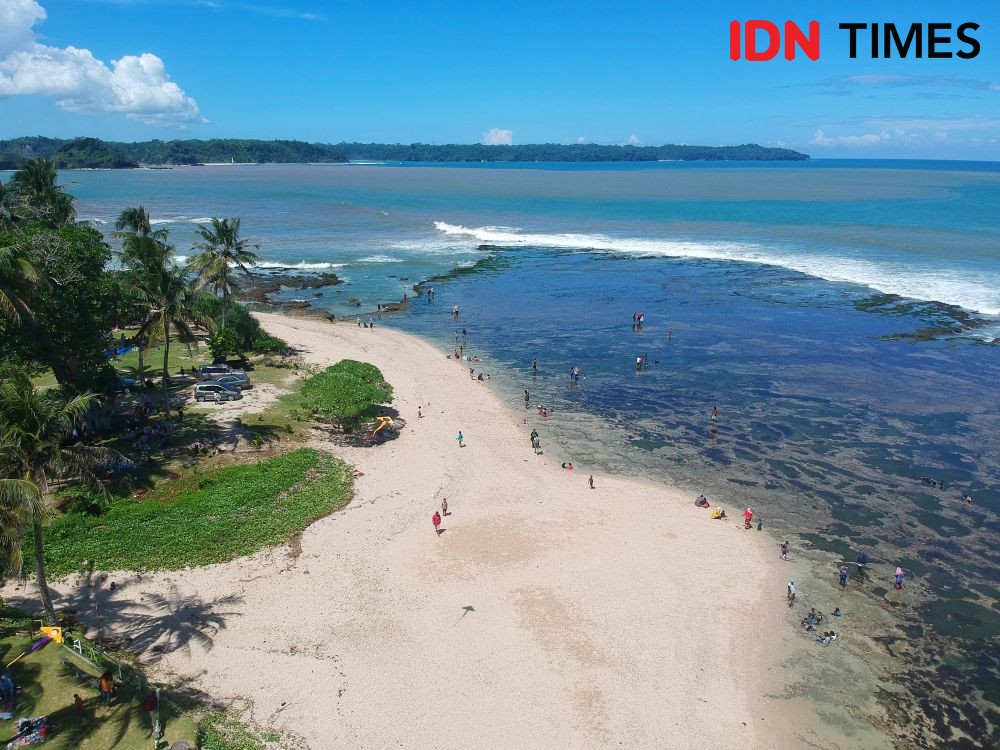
(211, 372)
(237, 380)
(215, 392)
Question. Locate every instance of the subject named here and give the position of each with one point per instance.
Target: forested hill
(94, 153)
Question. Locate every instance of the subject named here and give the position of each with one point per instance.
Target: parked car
(211, 372)
(212, 391)
(237, 380)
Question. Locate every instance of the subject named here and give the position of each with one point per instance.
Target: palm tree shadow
(151, 624)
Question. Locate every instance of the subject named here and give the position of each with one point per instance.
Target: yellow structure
(52, 632)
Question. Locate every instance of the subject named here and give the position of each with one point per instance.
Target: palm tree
(223, 254)
(18, 276)
(34, 428)
(39, 194)
(144, 251)
(167, 299)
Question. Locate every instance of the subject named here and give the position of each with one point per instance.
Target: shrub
(223, 343)
(345, 393)
(265, 343)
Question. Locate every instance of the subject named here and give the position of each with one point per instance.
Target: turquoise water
(842, 316)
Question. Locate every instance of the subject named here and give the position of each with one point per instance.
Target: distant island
(93, 153)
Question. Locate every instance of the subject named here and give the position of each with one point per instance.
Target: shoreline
(573, 617)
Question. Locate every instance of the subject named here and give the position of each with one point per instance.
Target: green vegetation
(91, 153)
(34, 428)
(14, 152)
(48, 689)
(345, 393)
(203, 517)
(220, 730)
(223, 254)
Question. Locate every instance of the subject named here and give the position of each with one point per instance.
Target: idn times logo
(760, 40)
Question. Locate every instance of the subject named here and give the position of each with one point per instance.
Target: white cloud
(852, 141)
(634, 140)
(581, 139)
(137, 86)
(498, 137)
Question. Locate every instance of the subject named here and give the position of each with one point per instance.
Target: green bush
(84, 502)
(265, 343)
(345, 393)
(224, 342)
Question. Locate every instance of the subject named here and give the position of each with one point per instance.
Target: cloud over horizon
(498, 137)
(137, 86)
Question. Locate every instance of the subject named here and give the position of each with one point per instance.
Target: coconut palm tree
(223, 255)
(167, 300)
(144, 251)
(141, 244)
(34, 428)
(39, 194)
(18, 276)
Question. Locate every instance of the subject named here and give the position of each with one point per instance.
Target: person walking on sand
(747, 518)
(843, 576)
(791, 593)
(590, 481)
(420, 414)
(436, 520)
(527, 398)
(460, 438)
(784, 551)
(359, 321)
(444, 507)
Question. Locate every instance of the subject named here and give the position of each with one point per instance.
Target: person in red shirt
(747, 518)
(436, 519)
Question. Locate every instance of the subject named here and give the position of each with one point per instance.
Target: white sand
(546, 615)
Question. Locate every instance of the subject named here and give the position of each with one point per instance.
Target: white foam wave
(181, 220)
(300, 266)
(379, 259)
(966, 289)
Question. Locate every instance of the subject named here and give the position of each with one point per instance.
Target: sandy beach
(547, 614)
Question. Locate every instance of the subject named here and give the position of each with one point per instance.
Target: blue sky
(653, 72)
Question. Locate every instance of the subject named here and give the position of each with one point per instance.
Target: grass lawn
(203, 517)
(47, 690)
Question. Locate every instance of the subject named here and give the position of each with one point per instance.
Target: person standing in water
(898, 579)
(527, 398)
(843, 576)
(670, 332)
(638, 364)
(534, 367)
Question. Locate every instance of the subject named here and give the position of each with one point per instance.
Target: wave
(181, 220)
(300, 266)
(379, 259)
(965, 289)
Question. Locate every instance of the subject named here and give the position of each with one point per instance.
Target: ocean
(843, 316)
